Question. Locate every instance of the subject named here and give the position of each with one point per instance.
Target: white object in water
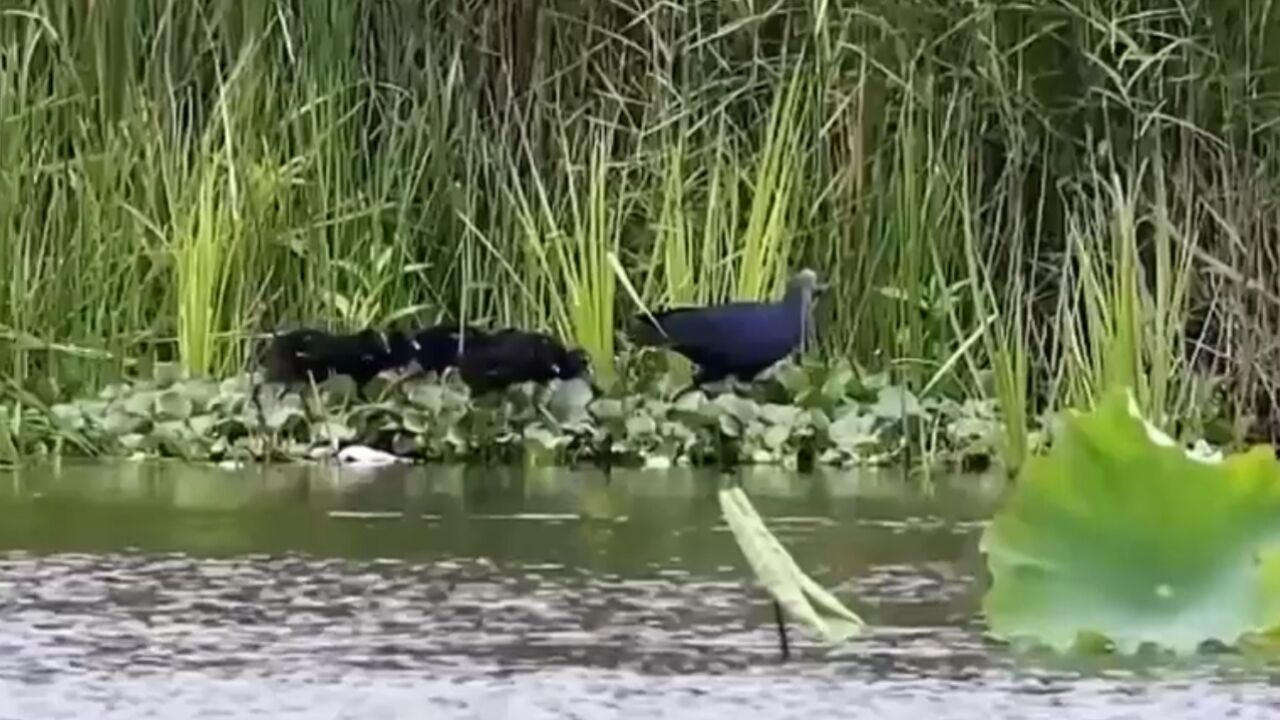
(362, 455)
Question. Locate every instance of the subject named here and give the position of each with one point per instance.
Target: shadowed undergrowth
(803, 415)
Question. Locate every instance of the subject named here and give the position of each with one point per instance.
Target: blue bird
(734, 340)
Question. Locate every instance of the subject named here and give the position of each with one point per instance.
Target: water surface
(170, 591)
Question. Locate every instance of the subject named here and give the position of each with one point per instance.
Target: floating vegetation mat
(799, 415)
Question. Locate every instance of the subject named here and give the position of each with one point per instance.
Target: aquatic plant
(1120, 537)
(802, 414)
(791, 590)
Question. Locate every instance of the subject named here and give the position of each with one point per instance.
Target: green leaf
(200, 392)
(640, 426)
(166, 373)
(853, 431)
(278, 416)
(1119, 533)
(895, 402)
(173, 405)
(803, 599)
(784, 415)
(340, 388)
(332, 431)
(415, 421)
(203, 424)
(776, 436)
(116, 423)
(743, 409)
(429, 397)
(607, 409)
(569, 401)
(140, 404)
(133, 442)
(8, 445)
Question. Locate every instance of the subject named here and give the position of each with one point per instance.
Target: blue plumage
(738, 339)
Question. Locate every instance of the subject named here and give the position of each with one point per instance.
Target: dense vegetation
(1017, 201)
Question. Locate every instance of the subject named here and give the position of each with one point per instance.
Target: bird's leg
(781, 622)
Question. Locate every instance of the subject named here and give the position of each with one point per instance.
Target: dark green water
(165, 590)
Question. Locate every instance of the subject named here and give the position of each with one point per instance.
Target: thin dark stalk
(783, 645)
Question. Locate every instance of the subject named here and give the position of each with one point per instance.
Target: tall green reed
(346, 164)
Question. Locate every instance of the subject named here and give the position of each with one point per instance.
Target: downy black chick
(512, 356)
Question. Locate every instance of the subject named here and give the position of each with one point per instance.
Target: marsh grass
(1019, 201)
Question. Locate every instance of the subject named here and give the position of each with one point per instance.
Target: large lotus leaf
(1119, 533)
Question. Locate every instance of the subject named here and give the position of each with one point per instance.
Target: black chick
(439, 347)
(512, 356)
(314, 355)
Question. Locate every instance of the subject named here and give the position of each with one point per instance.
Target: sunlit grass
(1017, 201)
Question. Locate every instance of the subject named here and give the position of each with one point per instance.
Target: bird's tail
(647, 331)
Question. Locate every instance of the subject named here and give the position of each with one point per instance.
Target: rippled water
(160, 590)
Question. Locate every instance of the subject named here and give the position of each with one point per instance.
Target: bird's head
(571, 364)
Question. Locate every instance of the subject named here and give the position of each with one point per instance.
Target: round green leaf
(166, 373)
(895, 402)
(641, 425)
(141, 404)
(775, 436)
(853, 431)
(428, 396)
(332, 431)
(607, 409)
(173, 405)
(784, 415)
(569, 400)
(1119, 533)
